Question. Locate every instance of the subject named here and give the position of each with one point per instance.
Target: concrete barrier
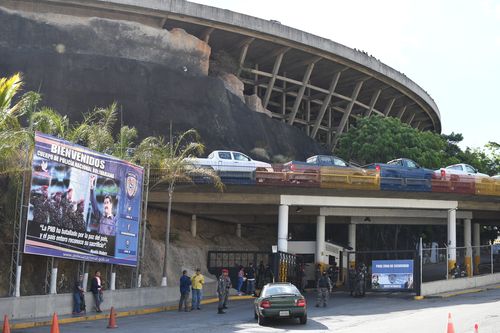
(32, 307)
(438, 287)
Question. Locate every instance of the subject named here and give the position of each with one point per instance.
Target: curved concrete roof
(309, 81)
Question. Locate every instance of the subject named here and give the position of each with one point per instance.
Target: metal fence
(284, 266)
(475, 261)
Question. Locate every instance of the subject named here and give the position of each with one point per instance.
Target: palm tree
(174, 167)
(13, 136)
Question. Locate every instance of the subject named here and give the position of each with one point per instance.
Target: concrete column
(452, 238)
(352, 244)
(193, 225)
(283, 228)
(468, 247)
(477, 242)
(320, 239)
(53, 281)
(85, 281)
(238, 230)
(17, 290)
(112, 284)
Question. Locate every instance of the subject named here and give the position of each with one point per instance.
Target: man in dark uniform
(56, 210)
(40, 202)
(76, 217)
(107, 221)
(324, 286)
(223, 286)
(68, 209)
(268, 275)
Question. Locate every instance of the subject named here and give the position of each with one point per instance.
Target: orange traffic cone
(112, 319)
(6, 327)
(55, 324)
(450, 329)
(476, 328)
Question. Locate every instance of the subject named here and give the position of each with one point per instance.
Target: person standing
(241, 278)
(96, 289)
(77, 295)
(223, 286)
(184, 286)
(317, 273)
(197, 282)
(260, 275)
(250, 275)
(268, 276)
(324, 286)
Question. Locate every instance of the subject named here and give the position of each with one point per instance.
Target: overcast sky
(451, 48)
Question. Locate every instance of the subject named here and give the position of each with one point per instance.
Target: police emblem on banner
(132, 184)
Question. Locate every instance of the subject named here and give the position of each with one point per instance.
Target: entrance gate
(283, 265)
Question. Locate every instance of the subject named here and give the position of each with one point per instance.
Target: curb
(128, 313)
(458, 293)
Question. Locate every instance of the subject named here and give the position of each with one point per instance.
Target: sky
(450, 48)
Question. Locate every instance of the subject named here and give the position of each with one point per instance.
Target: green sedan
(280, 300)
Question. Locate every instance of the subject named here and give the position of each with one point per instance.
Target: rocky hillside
(156, 76)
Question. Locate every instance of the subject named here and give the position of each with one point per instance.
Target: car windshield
(280, 289)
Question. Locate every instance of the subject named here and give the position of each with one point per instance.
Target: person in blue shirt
(185, 288)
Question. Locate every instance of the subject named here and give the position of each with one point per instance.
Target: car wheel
(303, 319)
(261, 320)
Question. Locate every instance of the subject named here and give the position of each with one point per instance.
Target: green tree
(379, 139)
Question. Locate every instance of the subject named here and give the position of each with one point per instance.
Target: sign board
(392, 274)
(83, 205)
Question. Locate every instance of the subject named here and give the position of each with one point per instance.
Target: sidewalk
(464, 291)
(124, 312)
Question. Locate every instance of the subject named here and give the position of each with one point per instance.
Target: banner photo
(392, 274)
(83, 205)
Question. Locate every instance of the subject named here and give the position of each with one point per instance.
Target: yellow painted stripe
(128, 313)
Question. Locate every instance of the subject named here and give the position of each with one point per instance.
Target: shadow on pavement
(341, 303)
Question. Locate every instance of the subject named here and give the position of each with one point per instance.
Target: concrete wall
(437, 287)
(32, 307)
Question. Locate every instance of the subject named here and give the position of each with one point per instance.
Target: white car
(496, 177)
(462, 169)
(226, 160)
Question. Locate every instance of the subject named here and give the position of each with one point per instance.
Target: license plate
(284, 313)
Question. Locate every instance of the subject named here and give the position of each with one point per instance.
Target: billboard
(83, 205)
(392, 274)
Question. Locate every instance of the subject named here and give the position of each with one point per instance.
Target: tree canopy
(381, 139)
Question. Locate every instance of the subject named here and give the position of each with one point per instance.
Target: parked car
(232, 161)
(280, 300)
(461, 169)
(496, 177)
(403, 174)
(314, 163)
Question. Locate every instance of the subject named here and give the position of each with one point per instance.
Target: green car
(280, 300)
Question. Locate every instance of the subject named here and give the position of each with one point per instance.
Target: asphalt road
(375, 313)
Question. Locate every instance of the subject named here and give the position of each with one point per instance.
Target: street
(374, 313)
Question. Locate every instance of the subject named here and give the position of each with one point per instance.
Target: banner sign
(83, 205)
(392, 274)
